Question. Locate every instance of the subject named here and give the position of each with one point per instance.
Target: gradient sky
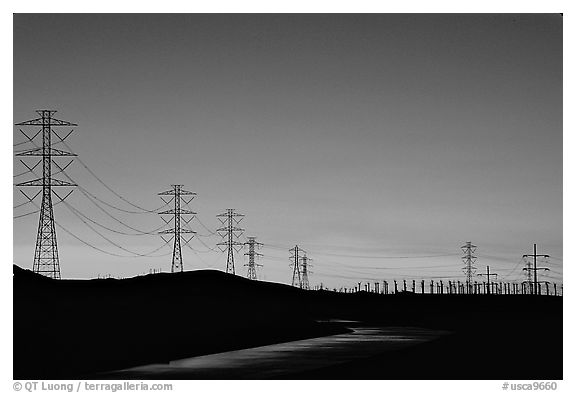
(356, 137)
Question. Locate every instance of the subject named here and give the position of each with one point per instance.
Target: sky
(378, 143)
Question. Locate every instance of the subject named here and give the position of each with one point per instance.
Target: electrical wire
(118, 208)
(72, 208)
(211, 233)
(144, 210)
(20, 205)
(34, 212)
(384, 257)
(87, 195)
(149, 254)
(114, 243)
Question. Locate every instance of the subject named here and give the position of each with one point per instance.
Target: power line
(386, 257)
(74, 210)
(211, 233)
(136, 255)
(106, 238)
(20, 205)
(113, 206)
(144, 210)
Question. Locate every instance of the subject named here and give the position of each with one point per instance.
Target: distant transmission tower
(305, 265)
(252, 255)
(296, 273)
(528, 270)
(488, 275)
(469, 270)
(535, 269)
(178, 195)
(46, 261)
(230, 233)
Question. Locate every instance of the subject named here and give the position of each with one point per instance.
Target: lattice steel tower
(469, 259)
(252, 255)
(305, 265)
(179, 195)
(46, 261)
(230, 233)
(296, 273)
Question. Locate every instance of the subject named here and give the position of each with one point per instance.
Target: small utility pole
(535, 269)
(488, 274)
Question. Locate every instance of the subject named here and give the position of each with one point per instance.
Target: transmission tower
(535, 269)
(178, 195)
(488, 275)
(528, 271)
(46, 261)
(230, 233)
(469, 259)
(252, 255)
(296, 273)
(305, 265)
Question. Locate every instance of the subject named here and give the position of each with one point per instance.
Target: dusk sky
(379, 143)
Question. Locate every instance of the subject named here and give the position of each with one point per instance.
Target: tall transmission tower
(296, 272)
(46, 261)
(535, 269)
(252, 255)
(178, 195)
(305, 265)
(230, 233)
(469, 259)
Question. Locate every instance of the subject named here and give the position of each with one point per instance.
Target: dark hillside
(72, 328)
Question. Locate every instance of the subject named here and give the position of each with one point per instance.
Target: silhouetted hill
(72, 328)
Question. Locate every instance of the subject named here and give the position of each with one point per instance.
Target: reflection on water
(278, 360)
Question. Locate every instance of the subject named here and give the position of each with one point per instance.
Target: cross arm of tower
(180, 192)
(50, 152)
(229, 243)
(232, 214)
(179, 211)
(226, 229)
(172, 231)
(256, 254)
(53, 122)
(39, 182)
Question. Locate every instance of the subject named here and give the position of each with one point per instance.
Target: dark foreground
(72, 329)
